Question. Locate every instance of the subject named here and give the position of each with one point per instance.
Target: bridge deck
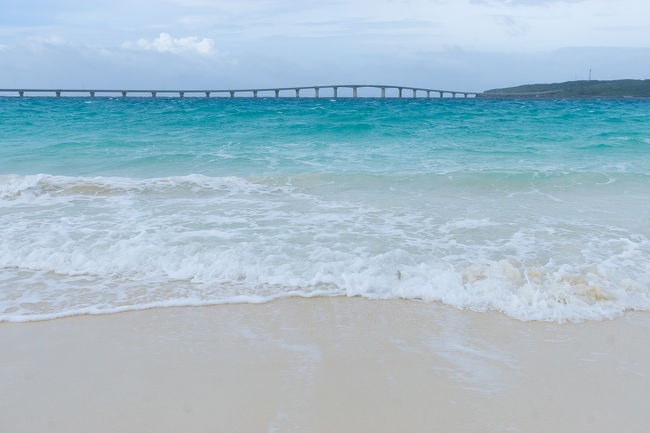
(254, 91)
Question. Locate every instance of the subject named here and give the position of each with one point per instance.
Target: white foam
(102, 245)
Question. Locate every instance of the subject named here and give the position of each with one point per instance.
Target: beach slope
(324, 365)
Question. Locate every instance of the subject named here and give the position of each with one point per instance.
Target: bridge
(294, 92)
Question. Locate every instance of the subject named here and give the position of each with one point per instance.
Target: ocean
(539, 209)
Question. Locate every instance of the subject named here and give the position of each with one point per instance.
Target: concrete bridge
(294, 92)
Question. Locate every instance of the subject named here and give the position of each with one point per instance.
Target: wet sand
(324, 365)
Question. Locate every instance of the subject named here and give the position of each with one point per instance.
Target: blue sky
(461, 44)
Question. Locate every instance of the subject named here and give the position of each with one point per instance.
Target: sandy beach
(324, 365)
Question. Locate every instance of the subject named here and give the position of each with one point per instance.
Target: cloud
(523, 2)
(49, 40)
(165, 43)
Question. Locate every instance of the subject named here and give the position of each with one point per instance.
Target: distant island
(576, 89)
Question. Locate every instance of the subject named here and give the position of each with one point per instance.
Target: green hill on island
(577, 89)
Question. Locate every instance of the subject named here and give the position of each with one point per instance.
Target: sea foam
(92, 245)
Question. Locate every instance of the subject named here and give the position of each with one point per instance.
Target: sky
(469, 45)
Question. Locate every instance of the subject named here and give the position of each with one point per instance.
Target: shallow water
(538, 209)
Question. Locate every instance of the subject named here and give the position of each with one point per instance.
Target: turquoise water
(538, 209)
(153, 138)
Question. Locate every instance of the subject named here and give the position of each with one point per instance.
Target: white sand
(324, 365)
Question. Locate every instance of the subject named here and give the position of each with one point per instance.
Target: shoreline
(323, 364)
(93, 312)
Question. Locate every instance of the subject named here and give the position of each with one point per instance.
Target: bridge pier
(21, 93)
(336, 92)
(465, 94)
(207, 94)
(277, 93)
(399, 95)
(453, 94)
(254, 93)
(58, 94)
(428, 94)
(153, 94)
(354, 92)
(383, 92)
(442, 94)
(414, 94)
(232, 94)
(315, 92)
(297, 93)
(92, 94)
(123, 94)
(181, 94)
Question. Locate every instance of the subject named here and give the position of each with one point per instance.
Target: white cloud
(52, 40)
(165, 43)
